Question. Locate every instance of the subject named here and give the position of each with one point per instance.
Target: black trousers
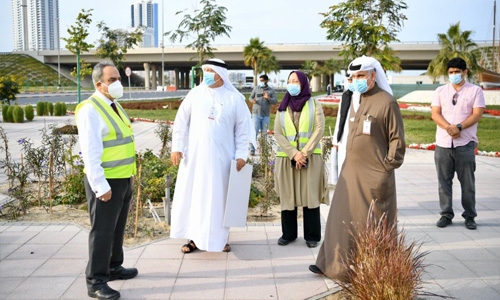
(107, 221)
(312, 224)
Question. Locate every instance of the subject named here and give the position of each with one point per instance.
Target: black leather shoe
(123, 273)
(443, 222)
(470, 223)
(103, 292)
(315, 269)
(311, 244)
(283, 242)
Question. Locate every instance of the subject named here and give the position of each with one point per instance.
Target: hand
(105, 197)
(240, 163)
(176, 157)
(264, 95)
(453, 130)
(300, 160)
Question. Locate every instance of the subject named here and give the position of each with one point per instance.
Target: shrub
(10, 113)
(40, 108)
(18, 114)
(49, 109)
(63, 109)
(381, 266)
(5, 115)
(57, 109)
(29, 112)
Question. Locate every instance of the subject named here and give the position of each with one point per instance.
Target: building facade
(144, 13)
(35, 25)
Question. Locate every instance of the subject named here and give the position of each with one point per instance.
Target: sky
(274, 21)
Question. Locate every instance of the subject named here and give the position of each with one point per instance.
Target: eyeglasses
(454, 100)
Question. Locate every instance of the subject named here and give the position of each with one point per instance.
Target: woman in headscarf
(300, 174)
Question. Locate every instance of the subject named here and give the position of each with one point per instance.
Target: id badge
(211, 114)
(367, 125)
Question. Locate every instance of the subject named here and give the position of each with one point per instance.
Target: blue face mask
(455, 78)
(262, 84)
(360, 85)
(350, 87)
(293, 89)
(209, 78)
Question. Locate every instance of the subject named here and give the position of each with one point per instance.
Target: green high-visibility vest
(306, 128)
(118, 157)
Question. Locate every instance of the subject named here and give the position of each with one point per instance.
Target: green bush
(64, 109)
(40, 108)
(5, 115)
(10, 113)
(49, 109)
(29, 112)
(18, 114)
(57, 109)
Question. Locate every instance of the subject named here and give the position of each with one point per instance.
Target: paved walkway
(47, 261)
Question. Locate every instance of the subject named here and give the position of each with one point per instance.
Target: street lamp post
(58, 57)
(162, 47)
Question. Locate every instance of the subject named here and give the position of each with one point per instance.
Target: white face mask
(115, 90)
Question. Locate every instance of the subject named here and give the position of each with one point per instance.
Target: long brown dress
(367, 173)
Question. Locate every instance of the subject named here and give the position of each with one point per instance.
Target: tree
(455, 43)
(76, 42)
(260, 58)
(366, 27)
(114, 43)
(330, 67)
(9, 88)
(310, 68)
(206, 25)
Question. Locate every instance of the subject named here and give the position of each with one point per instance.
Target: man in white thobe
(210, 130)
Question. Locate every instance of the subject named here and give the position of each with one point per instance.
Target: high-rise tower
(145, 13)
(35, 24)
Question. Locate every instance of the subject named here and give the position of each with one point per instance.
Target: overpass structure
(414, 56)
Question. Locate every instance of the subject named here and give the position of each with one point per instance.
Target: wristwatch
(459, 126)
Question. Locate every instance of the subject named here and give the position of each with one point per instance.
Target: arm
(336, 130)
(181, 130)
(272, 96)
(396, 136)
(317, 134)
(252, 95)
(242, 127)
(91, 129)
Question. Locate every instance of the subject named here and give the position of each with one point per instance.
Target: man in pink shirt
(456, 109)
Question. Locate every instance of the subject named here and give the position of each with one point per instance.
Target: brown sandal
(227, 248)
(189, 247)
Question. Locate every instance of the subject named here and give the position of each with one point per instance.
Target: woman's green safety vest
(118, 157)
(306, 128)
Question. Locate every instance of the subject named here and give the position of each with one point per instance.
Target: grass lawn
(419, 127)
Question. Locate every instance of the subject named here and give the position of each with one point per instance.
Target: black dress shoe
(283, 242)
(443, 222)
(311, 244)
(315, 269)
(103, 292)
(123, 273)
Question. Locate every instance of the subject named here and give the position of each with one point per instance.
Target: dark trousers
(312, 224)
(107, 221)
(461, 160)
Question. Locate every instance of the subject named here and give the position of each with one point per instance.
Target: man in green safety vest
(108, 152)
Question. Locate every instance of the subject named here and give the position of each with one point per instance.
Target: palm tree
(332, 66)
(260, 58)
(310, 68)
(455, 43)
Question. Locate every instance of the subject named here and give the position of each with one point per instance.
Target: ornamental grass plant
(383, 266)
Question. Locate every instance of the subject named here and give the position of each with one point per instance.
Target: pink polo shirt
(470, 96)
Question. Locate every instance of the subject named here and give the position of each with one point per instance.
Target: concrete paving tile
(203, 268)
(72, 251)
(9, 284)
(133, 252)
(78, 288)
(36, 228)
(248, 238)
(52, 237)
(300, 288)
(469, 288)
(56, 227)
(294, 250)
(494, 283)
(72, 228)
(15, 237)
(249, 252)
(158, 267)
(82, 237)
(19, 267)
(205, 255)
(17, 228)
(61, 268)
(451, 269)
(494, 250)
(292, 268)
(147, 288)
(250, 288)
(484, 268)
(471, 253)
(34, 251)
(41, 288)
(198, 288)
(162, 251)
(7, 249)
(249, 269)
